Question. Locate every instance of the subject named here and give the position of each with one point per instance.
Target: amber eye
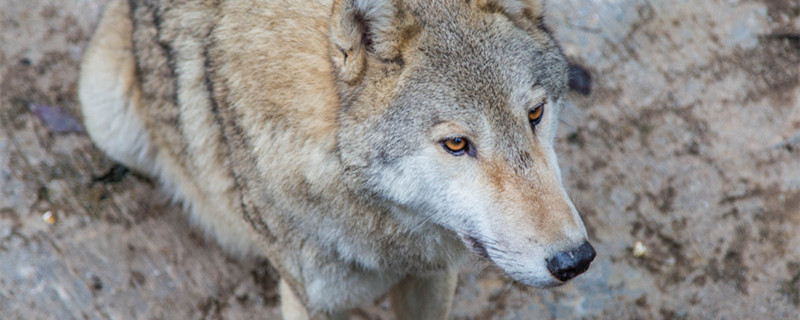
(535, 115)
(456, 146)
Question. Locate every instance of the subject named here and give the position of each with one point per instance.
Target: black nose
(567, 264)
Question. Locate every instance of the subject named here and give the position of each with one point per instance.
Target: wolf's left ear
(527, 14)
(364, 27)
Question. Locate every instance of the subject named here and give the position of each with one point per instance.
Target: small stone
(580, 80)
(639, 250)
(56, 119)
(96, 283)
(48, 217)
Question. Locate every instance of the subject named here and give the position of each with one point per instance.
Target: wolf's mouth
(475, 245)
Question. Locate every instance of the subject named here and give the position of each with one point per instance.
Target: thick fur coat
(319, 134)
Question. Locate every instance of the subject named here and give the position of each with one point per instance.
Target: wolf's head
(449, 109)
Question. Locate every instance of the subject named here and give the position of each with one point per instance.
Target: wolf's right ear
(360, 28)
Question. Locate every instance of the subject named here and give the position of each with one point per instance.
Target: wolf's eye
(535, 115)
(456, 146)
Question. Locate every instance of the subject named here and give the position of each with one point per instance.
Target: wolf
(364, 147)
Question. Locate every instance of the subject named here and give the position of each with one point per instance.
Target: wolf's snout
(568, 264)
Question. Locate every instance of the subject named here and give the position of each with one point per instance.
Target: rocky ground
(689, 143)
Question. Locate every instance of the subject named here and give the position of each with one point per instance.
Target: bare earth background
(689, 143)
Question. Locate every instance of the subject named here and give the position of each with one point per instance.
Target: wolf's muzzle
(568, 264)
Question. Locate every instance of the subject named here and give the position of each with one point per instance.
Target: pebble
(48, 217)
(639, 250)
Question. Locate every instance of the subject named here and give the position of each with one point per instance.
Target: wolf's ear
(527, 14)
(364, 27)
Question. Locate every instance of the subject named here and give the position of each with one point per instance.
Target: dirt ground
(689, 143)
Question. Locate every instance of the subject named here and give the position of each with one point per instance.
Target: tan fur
(310, 132)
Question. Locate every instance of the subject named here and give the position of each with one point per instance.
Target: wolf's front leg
(293, 309)
(427, 297)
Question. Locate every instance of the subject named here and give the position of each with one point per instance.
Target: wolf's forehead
(487, 54)
(504, 70)
(465, 42)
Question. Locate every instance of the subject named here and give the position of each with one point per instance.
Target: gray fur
(310, 133)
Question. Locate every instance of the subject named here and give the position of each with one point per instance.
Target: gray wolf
(363, 147)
